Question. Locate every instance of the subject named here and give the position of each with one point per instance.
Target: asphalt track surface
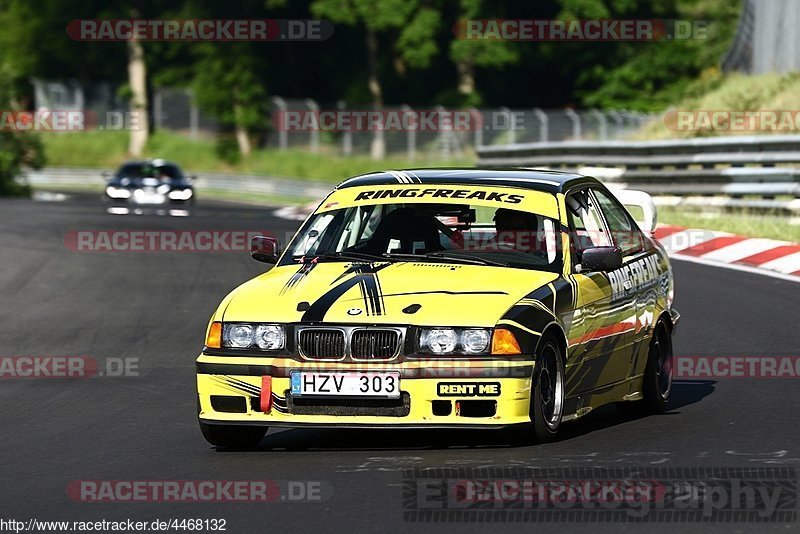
(154, 307)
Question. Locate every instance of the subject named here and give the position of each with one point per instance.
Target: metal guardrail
(231, 183)
(735, 167)
(708, 151)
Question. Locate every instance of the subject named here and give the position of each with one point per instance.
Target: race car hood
(383, 293)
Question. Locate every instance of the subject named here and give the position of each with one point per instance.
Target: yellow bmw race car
(460, 298)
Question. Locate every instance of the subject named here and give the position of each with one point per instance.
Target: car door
(601, 332)
(639, 275)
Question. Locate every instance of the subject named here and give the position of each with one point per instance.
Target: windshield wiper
(444, 256)
(472, 259)
(344, 256)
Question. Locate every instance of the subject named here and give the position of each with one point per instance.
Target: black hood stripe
(298, 277)
(371, 293)
(316, 312)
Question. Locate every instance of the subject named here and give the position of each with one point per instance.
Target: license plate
(150, 198)
(351, 384)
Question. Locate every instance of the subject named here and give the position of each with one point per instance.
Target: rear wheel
(233, 436)
(547, 393)
(658, 373)
(657, 380)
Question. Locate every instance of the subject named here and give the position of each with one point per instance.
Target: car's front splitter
(475, 394)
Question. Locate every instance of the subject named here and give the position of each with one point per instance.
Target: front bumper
(230, 392)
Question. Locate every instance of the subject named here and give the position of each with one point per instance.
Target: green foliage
(18, 150)
(416, 42)
(233, 80)
(411, 26)
(227, 150)
(23, 149)
(714, 91)
(648, 76)
(227, 85)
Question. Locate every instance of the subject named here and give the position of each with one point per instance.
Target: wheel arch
(666, 319)
(557, 332)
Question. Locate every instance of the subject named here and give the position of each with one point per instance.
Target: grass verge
(745, 223)
(731, 92)
(109, 149)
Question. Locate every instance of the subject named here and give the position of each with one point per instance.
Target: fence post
(544, 125)
(444, 140)
(617, 118)
(576, 122)
(347, 135)
(602, 124)
(411, 136)
(194, 116)
(158, 108)
(283, 138)
(512, 132)
(80, 100)
(477, 123)
(314, 135)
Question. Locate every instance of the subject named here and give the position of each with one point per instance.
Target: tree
(646, 76)
(137, 81)
(468, 54)
(413, 24)
(17, 149)
(227, 86)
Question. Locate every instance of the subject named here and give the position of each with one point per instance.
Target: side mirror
(192, 178)
(265, 249)
(106, 174)
(601, 259)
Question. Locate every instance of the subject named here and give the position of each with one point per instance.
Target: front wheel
(233, 436)
(547, 393)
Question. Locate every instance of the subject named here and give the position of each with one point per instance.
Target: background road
(155, 306)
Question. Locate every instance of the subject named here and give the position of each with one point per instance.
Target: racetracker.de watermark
(161, 240)
(68, 121)
(734, 121)
(394, 120)
(199, 30)
(567, 495)
(199, 490)
(48, 367)
(580, 30)
(704, 367)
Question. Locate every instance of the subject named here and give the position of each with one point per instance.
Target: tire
(657, 385)
(547, 391)
(657, 379)
(233, 436)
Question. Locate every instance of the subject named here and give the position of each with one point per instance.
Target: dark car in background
(152, 182)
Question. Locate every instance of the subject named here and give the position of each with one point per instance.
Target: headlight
(439, 340)
(238, 336)
(180, 194)
(475, 340)
(454, 340)
(117, 192)
(245, 336)
(270, 337)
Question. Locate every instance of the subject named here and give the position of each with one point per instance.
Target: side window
(625, 232)
(586, 225)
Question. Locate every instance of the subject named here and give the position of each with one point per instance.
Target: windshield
(146, 170)
(429, 232)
